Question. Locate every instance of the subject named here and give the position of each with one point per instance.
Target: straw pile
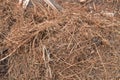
(80, 43)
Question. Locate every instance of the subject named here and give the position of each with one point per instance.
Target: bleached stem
(25, 3)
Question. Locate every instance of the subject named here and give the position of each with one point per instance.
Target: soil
(82, 42)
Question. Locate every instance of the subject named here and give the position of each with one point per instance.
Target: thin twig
(46, 58)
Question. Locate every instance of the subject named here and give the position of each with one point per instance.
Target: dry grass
(81, 43)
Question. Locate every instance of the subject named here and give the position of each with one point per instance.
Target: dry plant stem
(33, 46)
(25, 3)
(46, 58)
(94, 6)
(20, 2)
(53, 5)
